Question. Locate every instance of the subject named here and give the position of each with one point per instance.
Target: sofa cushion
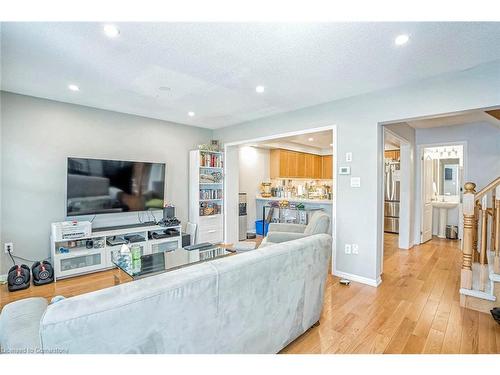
(319, 223)
(20, 325)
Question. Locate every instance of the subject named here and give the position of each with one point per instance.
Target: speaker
(168, 212)
(18, 277)
(43, 273)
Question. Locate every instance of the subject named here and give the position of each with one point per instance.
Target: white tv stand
(81, 260)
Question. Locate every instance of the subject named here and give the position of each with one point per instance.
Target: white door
(427, 167)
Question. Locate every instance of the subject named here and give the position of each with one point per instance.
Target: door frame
(422, 200)
(230, 215)
(405, 198)
(419, 181)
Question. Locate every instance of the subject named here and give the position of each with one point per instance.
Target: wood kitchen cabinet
(301, 165)
(327, 167)
(392, 154)
(293, 164)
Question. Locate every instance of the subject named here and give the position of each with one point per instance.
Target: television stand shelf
(127, 226)
(73, 257)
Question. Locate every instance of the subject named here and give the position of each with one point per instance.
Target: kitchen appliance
(391, 196)
(242, 232)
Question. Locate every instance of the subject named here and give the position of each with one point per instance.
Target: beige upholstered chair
(319, 223)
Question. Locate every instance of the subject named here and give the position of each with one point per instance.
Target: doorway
(241, 156)
(442, 178)
(397, 188)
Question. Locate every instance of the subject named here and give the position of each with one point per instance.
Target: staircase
(480, 274)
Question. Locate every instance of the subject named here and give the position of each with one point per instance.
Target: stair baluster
(483, 260)
(496, 221)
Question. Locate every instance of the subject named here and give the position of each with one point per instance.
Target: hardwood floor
(66, 287)
(416, 309)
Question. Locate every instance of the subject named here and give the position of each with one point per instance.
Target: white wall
(357, 118)
(254, 169)
(483, 148)
(37, 137)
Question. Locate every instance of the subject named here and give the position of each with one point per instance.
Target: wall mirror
(449, 177)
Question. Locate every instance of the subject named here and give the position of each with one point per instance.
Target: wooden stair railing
(475, 235)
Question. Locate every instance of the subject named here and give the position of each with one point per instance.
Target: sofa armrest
(20, 326)
(278, 237)
(292, 228)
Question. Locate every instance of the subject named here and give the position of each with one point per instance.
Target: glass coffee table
(153, 264)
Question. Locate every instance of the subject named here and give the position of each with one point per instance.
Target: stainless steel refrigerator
(391, 204)
(242, 233)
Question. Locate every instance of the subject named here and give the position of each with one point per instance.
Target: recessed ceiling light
(260, 89)
(401, 39)
(73, 87)
(310, 139)
(191, 114)
(111, 31)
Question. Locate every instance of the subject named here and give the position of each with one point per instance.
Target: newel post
(468, 240)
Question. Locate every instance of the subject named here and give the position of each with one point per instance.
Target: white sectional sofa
(255, 302)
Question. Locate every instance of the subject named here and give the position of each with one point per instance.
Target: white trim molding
(478, 294)
(359, 279)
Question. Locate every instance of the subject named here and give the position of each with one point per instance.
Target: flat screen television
(97, 186)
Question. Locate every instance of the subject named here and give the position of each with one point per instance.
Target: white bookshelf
(204, 195)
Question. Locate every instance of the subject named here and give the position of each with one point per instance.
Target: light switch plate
(355, 182)
(355, 248)
(348, 157)
(347, 248)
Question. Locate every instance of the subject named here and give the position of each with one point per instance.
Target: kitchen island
(309, 204)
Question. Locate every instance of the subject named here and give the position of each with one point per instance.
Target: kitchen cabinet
(392, 154)
(293, 164)
(327, 167)
(301, 165)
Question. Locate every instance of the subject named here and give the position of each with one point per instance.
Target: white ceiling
(320, 144)
(320, 140)
(468, 117)
(391, 142)
(213, 68)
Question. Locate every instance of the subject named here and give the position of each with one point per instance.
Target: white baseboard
(3, 278)
(359, 279)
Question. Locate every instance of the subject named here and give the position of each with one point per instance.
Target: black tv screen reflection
(109, 186)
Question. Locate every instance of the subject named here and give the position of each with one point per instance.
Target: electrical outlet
(347, 249)
(8, 247)
(355, 248)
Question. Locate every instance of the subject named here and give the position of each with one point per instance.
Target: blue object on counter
(261, 227)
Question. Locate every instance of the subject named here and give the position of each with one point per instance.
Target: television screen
(110, 186)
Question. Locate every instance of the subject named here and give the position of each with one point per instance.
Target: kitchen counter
(299, 200)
